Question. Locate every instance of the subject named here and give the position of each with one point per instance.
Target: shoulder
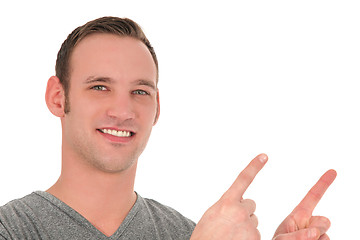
(167, 218)
(17, 207)
(18, 217)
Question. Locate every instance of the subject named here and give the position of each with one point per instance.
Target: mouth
(117, 133)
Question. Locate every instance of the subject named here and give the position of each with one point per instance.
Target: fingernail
(263, 158)
(313, 233)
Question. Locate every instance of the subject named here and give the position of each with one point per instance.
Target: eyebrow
(93, 79)
(142, 82)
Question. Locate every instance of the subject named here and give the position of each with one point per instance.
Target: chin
(115, 166)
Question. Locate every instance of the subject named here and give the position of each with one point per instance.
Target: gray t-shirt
(40, 215)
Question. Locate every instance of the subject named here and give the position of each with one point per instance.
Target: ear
(55, 97)
(157, 107)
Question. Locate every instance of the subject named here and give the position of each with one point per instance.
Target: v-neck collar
(81, 220)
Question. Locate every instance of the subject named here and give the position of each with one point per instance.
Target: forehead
(113, 56)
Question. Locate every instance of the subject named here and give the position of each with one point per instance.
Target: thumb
(304, 234)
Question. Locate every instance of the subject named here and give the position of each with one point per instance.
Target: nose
(121, 108)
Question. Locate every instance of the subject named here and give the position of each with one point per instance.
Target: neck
(103, 198)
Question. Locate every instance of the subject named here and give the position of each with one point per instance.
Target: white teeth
(116, 133)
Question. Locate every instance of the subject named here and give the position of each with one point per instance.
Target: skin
(232, 217)
(112, 85)
(300, 222)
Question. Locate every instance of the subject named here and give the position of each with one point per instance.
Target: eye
(140, 92)
(99, 88)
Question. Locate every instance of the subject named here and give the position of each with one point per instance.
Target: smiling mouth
(117, 133)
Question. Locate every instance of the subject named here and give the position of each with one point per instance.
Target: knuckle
(324, 223)
(320, 222)
(225, 206)
(257, 235)
(232, 210)
(291, 225)
(324, 237)
(250, 205)
(254, 220)
(249, 201)
(327, 221)
(300, 213)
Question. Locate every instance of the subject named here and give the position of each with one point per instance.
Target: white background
(237, 78)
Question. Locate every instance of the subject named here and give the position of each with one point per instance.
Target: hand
(300, 224)
(232, 217)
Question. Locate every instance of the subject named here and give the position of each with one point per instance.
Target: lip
(116, 139)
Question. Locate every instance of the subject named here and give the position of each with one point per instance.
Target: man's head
(109, 81)
(118, 26)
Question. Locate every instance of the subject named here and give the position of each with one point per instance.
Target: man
(105, 94)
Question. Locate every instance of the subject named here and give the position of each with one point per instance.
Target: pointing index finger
(313, 197)
(245, 178)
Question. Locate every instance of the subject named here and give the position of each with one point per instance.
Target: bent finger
(324, 237)
(249, 205)
(321, 223)
(254, 220)
(309, 234)
(245, 178)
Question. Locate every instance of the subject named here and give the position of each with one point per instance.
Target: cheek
(82, 114)
(147, 114)
(82, 105)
